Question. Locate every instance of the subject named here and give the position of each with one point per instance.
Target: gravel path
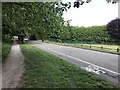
(13, 68)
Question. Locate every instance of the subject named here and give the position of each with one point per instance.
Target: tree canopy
(36, 19)
(32, 18)
(113, 28)
(77, 3)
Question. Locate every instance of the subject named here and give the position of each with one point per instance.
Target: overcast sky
(97, 12)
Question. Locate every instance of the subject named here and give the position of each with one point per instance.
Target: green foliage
(6, 47)
(94, 34)
(32, 37)
(6, 39)
(38, 18)
(78, 3)
(45, 21)
(113, 28)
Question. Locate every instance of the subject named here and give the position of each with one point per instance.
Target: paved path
(13, 68)
(102, 64)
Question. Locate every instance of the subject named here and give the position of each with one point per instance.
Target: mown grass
(44, 70)
(6, 47)
(97, 47)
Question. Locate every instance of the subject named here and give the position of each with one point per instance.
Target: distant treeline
(94, 34)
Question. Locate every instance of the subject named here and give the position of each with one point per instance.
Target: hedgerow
(96, 34)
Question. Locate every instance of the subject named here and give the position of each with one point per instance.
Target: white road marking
(83, 61)
(93, 69)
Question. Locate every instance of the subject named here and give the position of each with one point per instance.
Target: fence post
(101, 47)
(118, 49)
(90, 46)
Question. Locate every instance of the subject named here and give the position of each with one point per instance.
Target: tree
(77, 3)
(39, 19)
(113, 28)
(42, 20)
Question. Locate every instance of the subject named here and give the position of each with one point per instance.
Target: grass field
(97, 47)
(6, 47)
(103, 45)
(44, 70)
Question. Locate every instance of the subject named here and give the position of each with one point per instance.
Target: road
(104, 65)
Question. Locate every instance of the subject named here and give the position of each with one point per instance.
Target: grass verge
(6, 47)
(44, 70)
(97, 47)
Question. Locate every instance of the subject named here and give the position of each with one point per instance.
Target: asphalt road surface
(104, 65)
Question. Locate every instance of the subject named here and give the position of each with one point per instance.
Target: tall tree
(33, 18)
(113, 28)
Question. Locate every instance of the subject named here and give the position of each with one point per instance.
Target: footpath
(13, 68)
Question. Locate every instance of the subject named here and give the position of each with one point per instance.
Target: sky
(97, 12)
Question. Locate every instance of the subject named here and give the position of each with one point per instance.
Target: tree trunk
(20, 39)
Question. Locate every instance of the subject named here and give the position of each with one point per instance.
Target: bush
(32, 37)
(6, 39)
(94, 34)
